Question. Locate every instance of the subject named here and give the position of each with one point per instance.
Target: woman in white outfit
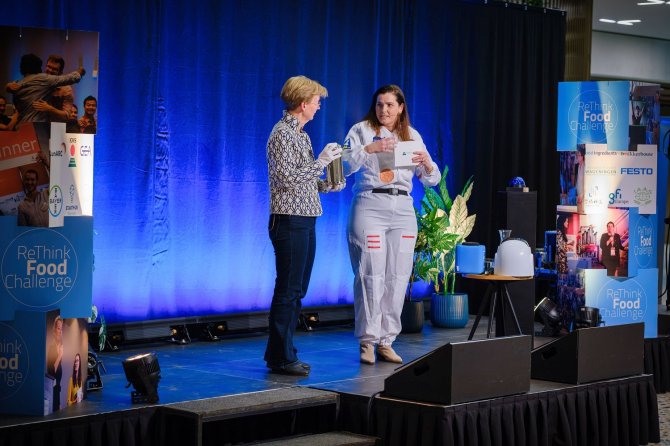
(382, 224)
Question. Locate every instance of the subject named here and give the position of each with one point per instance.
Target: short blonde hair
(299, 89)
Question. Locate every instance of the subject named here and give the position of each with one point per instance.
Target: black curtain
(506, 62)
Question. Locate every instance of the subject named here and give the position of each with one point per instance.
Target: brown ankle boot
(367, 353)
(386, 353)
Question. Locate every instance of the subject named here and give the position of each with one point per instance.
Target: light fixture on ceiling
(629, 22)
(653, 2)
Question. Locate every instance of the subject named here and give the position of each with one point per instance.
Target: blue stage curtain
(189, 91)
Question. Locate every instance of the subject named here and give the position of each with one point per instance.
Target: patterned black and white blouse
(293, 171)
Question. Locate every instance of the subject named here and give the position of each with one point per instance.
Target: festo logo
(637, 171)
(39, 271)
(14, 361)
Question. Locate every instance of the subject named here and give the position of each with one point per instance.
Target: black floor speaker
(459, 372)
(591, 354)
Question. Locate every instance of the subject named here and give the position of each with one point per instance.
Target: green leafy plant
(102, 332)
(443, 223)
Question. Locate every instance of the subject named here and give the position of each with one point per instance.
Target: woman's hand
(382, 145)
(422, 158)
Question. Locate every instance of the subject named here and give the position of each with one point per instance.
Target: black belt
(390, 191)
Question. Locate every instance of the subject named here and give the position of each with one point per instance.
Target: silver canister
(335, 174)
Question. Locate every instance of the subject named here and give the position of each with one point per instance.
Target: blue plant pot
(449, 310)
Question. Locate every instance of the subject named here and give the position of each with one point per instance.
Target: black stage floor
(235, 365)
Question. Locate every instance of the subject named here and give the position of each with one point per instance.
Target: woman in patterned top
(294, 205)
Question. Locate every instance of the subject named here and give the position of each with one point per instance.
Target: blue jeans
(294, 241)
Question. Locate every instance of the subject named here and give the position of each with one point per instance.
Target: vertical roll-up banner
(607, 222)
(46, 215)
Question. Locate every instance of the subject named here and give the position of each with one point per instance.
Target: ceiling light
(628, 22)
(651, 2)
(608, 20)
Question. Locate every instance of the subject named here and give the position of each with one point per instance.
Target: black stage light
(179, 334)
(208, 331)
(93, 380)
(143, 373)
(307, 321)
(551, 318)
(587, 317)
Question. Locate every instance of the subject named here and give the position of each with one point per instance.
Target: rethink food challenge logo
(36, 273)
(625, 303)
(593, 115)
(14, 361)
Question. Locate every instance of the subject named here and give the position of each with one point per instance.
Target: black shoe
(305, 365)
(295, 368)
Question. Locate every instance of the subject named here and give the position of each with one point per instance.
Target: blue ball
(516, 182)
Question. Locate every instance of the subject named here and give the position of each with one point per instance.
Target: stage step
(250, 417)
(327, 439)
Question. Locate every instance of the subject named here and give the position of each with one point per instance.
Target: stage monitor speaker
(459, 372)
(591, 354)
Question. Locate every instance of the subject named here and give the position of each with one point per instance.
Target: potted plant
(443, 224)
(412, 316)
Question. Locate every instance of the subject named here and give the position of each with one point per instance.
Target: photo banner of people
(51, 77)
(44, 358)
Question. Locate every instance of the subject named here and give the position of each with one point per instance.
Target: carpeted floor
(664, 418)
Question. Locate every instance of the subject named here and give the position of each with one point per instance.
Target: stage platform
(233, 366)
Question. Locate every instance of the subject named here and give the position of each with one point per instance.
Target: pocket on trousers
(407, 243)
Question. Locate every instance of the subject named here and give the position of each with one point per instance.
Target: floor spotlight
(179, 334)
(143, 373)
(587, 317)
(551, 318)
(208, 331)
(307, 321)
(93, 380)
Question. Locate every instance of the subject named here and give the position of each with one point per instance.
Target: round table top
(495, 277)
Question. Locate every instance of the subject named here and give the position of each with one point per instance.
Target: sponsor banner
(46, 268)
(624, 300)
(71, 185)
(620, 178)
(43, 363)
(593, 113)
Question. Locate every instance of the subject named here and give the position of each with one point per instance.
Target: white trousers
(382, 234)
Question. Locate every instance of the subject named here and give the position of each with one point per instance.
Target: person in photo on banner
(579, 176)
(382, 224)
(87, 123)
(36, 85)
(7, 122)
(59, 103)
(34, 209)
(294, 205)
(610, 248)
(55, 360)
(75, 391)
